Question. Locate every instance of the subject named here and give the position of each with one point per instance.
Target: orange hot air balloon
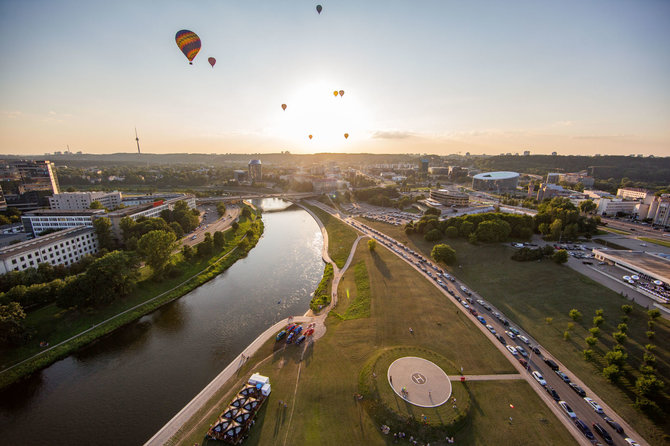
(189, 44)
(310, 136)
(341, 92)
(335, 93)
(211, 61)
(346, 135)
(283, 106)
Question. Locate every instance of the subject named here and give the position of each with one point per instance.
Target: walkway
(501, 377)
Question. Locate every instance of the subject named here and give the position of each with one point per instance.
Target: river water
(126, 386)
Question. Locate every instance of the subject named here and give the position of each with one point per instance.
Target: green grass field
(323, 409)
(528, 292)
(340, 236)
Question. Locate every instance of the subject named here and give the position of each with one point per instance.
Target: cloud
(11, 113)
(393, 134)
(605, 137)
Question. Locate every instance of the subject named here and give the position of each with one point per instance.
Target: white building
(449, 197)
(60, 248)
(635, 193)
(72, 201)
(613, 206)
(148, 210)
(42, 220)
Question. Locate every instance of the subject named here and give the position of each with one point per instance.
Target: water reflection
(124, 387)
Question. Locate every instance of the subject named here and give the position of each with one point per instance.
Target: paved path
(187, 412)
(502, 377)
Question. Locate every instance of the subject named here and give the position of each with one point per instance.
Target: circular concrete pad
(425, 383)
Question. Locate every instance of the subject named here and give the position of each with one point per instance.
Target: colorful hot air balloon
(346, 135)
(283, 106)
(335, 93)
(211, 61)
(341, 92)
(319, 8)
(189, 44)
(310, 136)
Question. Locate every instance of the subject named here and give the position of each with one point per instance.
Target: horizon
(431, 77)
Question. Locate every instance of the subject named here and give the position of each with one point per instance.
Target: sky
(439, 77)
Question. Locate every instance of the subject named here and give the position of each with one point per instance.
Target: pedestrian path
(506, 376)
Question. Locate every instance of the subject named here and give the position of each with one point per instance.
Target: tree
(566, 335)
(600, 312)
(598, 321)
(595, 331)
(433, 235)
(466, 228)
(623, 328)
(493, 231)
(591, 341)
(177, 229)
(575, 315)
(588, 354)
(103, 231)
(206, 247)
(587, 206)
(235, 225)
(544, 228)
(626, 309)
(560, 256)
(548, 320)
(12, 331)
(654, 313)
(96, 205)
(246, 212)
(443, 253)
(221, 208)
(220, 239)
(187, 252)
(648, 385)
(155, 248)
(650, 334)
(372, 244)
(112, 276)
(555, 229)
(612, 373)
(619, 337)
(451, 232)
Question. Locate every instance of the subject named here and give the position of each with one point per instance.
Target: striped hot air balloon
(189, 44)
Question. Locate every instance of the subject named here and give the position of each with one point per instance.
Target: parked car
(552, 365)
(481, 319)
(563, 376)
(603, 433)
(524, 339)
(539, 378)
(631, 442)
(491, 329)
(536, 350)
(521, 351)
(300, 339)
(567, 409)
(514, 330)
(550, 390)
(512, 350)
(614, 425)
(585, 429)
(510, 334)
(501, 339)
(280, 335)
(578, 390)
(593, 404)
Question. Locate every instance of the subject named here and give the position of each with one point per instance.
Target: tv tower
(137, 139)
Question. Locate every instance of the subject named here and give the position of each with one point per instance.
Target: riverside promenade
(172, 427)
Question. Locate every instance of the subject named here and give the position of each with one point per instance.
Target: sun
(314, 110)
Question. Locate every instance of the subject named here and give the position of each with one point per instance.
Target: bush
(443, 253)
(566, 335)
(626, 309)
(598, 321)
(591, 341)
(588, 354)
(433, 235)
(560, 256)
(575, 315)
(451, 232)
(619, 337)
(595, 331)
(623, 328)
(372, 244)
(612, 373)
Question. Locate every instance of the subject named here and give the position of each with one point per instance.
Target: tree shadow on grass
(473, 401)
(381, 265)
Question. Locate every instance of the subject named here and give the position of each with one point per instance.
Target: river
(124, 387)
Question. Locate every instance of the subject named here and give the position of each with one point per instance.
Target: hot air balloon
(319, 8)
(189, 44)
(310, 136)
(346, 135)
(211, 61)
(341, 92)
(283, 106)
(335, 93)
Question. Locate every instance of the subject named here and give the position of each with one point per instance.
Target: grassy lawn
(614, 231)
(55, 325)
(323, 410)
(340, 236)
(530, 291)
(655, 240)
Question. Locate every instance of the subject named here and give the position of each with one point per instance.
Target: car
(280, 335)
(195, 236)
(552, 365)
(585, 429)
(297, 329)
(593, 404)
(563, 376)
(524, 339)
(290, 338)
(512, 350)
(481, 319)
(523, 362)
(614, 425)
(505, 322)
(491, 329)
(522, 351)
(603, 433)
(536, 350)
(300, 340)
(480, 302)
(578, 390)
(501, 339)
(510, 334)
(567, 409)
(550, 390)
(514, 330)
(539, 378)
(631, 442)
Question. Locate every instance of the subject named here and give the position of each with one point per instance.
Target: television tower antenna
(137, 139)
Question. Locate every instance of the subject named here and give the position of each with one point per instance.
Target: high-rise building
(255, 171)
(423, 167)
(26, 184)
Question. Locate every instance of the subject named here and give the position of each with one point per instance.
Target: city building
(27, 184)
(457, 171)
(240, 175)
(443, 171)
(616, 206)
(255, 171)
(449, 197)
(36, 222)
(649, 267)
(495, 181)
(553, 178)
(659, 211)
(82, 200)
(423, 165)
(146, 210)
(554, 190)
(60, 248)
(635, 193)
(3, 202)
(570, 178)
(321, 185)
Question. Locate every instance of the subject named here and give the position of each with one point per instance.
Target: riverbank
(148, 301)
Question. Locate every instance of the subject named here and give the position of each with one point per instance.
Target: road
(452, 290)
(211, 222)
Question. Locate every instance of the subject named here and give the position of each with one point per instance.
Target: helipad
(419, 381)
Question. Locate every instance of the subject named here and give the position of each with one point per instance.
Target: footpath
(172, 427)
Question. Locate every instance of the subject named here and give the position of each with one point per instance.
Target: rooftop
(650, 264)
(496, 175)
(38, 242)
(71, 213)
